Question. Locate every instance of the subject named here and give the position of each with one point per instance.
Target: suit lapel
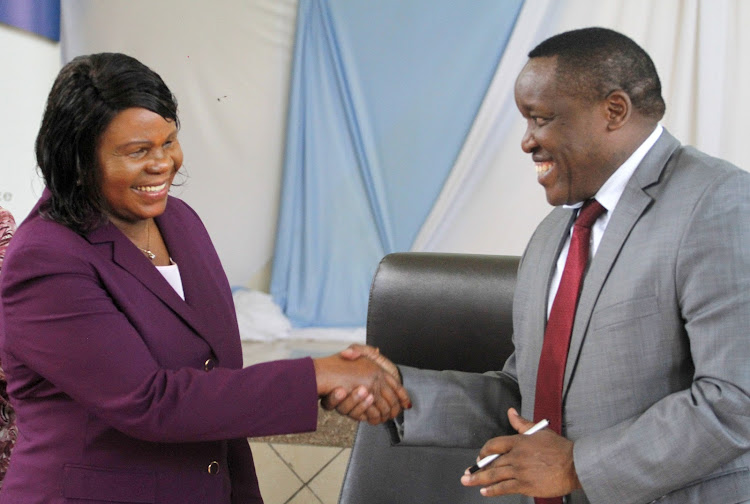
(132, 260)
(634, 201)
(208, 305)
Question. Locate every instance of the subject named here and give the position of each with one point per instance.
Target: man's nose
(528, 142)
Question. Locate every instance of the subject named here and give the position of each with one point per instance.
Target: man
(655, 378)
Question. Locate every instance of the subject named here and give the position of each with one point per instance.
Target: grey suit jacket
(657, 384)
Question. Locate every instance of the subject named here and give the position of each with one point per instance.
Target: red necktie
(549, 380)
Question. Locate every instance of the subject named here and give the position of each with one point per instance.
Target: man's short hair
(593, 62)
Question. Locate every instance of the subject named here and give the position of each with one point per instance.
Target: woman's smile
(152, 188)
(139, 155)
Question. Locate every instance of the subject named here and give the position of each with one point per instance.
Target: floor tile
(304, 496)
(327, 484)
(306, 461)
(277, 482)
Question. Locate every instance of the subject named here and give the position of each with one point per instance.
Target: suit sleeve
(68, 333)
(456, 409)
(690, 433)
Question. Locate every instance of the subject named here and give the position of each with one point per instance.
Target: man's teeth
(543, 168)
(152, 188)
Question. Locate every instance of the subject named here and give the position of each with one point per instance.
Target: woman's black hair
(87, 94)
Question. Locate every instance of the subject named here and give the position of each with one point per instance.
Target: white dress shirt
(608, 195)
(172, 275)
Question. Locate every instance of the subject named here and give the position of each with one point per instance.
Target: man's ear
(618, 109)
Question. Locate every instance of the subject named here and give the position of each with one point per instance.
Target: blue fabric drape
(39, 16)
(382, 96)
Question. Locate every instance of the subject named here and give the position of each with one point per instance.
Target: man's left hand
(539, 465)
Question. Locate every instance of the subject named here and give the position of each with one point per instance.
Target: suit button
(209, 364)
(213, 467)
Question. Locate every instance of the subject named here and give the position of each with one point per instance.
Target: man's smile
(543, 168)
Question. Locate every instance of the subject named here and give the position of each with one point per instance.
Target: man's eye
(540, 121)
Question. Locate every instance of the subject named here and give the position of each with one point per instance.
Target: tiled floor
(296, 473)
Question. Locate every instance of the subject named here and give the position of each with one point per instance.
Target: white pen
(489, 458)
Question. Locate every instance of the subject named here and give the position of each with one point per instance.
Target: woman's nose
(161, 161)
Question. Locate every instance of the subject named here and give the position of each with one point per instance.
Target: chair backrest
(443, 311)
(435, 311)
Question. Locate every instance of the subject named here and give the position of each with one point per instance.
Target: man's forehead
(537, 76)
(540, 66)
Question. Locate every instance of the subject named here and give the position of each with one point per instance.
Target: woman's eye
(138, 153)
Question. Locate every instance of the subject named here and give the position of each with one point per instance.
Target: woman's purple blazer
(123, 391)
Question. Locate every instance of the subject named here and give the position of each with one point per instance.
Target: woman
(120, 340)
(8, 429)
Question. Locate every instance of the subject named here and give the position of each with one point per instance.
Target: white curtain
(492, 203)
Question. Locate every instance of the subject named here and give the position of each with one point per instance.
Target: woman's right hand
(383, 401)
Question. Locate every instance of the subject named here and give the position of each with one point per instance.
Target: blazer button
(209, 364)
(213, 467)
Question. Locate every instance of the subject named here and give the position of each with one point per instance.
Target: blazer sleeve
(692, 432)
(63, 326)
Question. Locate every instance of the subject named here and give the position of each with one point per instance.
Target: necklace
(146, 251)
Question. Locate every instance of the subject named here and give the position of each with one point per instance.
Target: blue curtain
(38, 16)
(382, 96)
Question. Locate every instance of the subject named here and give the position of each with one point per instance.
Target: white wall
(233, 110)
(29, 65)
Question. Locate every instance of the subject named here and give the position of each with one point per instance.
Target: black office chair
(435, 311)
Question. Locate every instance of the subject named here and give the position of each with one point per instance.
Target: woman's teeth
(151, 188)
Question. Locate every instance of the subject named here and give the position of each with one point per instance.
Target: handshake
(362, 384)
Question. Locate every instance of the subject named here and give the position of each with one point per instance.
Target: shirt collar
(609, 194)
